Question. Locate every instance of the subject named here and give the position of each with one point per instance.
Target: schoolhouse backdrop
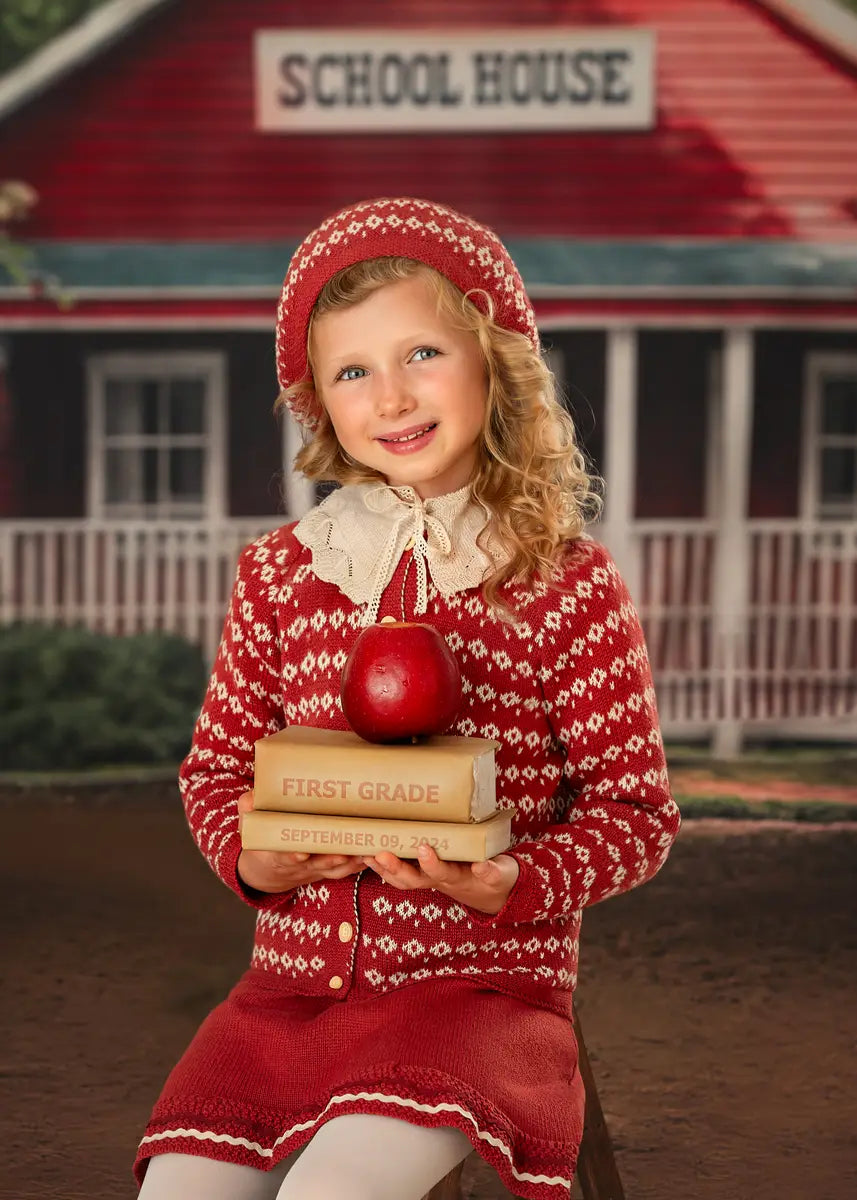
(676, 180)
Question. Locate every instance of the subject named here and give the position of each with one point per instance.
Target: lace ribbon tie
(359, 533)
(427, 531)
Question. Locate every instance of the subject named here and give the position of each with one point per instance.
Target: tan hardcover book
(318, 834)
(304, 769)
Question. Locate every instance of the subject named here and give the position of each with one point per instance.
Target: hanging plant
(18, 260)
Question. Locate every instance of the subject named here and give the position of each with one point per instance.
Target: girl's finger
(339, 872)
(388, 861)
(436, 869)
(402, 875)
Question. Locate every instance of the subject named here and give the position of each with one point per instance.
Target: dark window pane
(186, 469)
(149, 392)
(838, 474)
(840, 404)
(123, 475)
(123, 408)
(187, 406)
(150, 476)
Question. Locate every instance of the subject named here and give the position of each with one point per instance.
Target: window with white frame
(155, 436)
(831, 475)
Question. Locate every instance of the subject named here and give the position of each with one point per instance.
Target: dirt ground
(718, 1001)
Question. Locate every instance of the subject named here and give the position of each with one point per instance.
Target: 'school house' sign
(310, 80)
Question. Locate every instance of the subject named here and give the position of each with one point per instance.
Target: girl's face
(404, 389)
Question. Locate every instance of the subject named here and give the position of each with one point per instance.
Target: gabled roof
(824, 20)
(152, 175)
(84, 40)
(827, 21)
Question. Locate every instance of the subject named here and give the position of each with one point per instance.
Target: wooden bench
(597, 1174)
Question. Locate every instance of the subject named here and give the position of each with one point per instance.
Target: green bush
(72, 699)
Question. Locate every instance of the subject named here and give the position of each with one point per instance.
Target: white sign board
(358, 80)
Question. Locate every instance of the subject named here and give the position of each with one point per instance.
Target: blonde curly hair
(531, 476)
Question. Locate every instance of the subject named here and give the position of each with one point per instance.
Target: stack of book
(322, 791)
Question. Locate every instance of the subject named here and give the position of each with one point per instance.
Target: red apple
(400, 681)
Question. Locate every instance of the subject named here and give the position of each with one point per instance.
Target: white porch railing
(124, 577)
(673, 585)
(787, 663)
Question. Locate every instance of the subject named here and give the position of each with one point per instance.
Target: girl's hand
(275, 871)
(483, 885)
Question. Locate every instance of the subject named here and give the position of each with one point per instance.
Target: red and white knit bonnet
(470, 255)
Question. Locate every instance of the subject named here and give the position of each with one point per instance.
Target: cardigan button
(336, 983)
(346, 932)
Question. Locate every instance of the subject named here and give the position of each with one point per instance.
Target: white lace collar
(358, 534)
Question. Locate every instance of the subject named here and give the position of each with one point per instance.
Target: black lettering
(421, 80)
(489, 89)
(358, 89)
(520, 83)
(548, 76)
(289, 65)
(392, 79)
(581, 65)
(322, 63)
(613, 76)
(447, 98)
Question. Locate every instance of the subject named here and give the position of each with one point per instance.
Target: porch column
(620, 454)
(299, 491)
(731, 584)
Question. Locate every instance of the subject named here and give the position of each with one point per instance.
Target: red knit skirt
(267, 1069)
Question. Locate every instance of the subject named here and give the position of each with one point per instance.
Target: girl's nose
(392, 396)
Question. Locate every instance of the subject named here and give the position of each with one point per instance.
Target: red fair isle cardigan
(567, 691)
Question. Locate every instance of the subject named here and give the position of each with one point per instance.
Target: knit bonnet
(469, 254)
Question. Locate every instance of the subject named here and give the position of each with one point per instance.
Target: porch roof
(551, 267)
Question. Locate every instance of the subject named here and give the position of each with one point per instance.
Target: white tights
(353, 1157)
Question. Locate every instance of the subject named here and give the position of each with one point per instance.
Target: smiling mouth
(410, 437)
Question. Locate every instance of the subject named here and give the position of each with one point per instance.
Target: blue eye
(351, 373)
(428, 351)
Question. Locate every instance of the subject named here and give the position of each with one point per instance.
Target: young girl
(398, 1014)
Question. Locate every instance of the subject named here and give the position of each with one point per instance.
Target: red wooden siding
(777, 454)
(47, 446)
(583, 366)
(672, 387)
(154, 138)
(47, 387)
